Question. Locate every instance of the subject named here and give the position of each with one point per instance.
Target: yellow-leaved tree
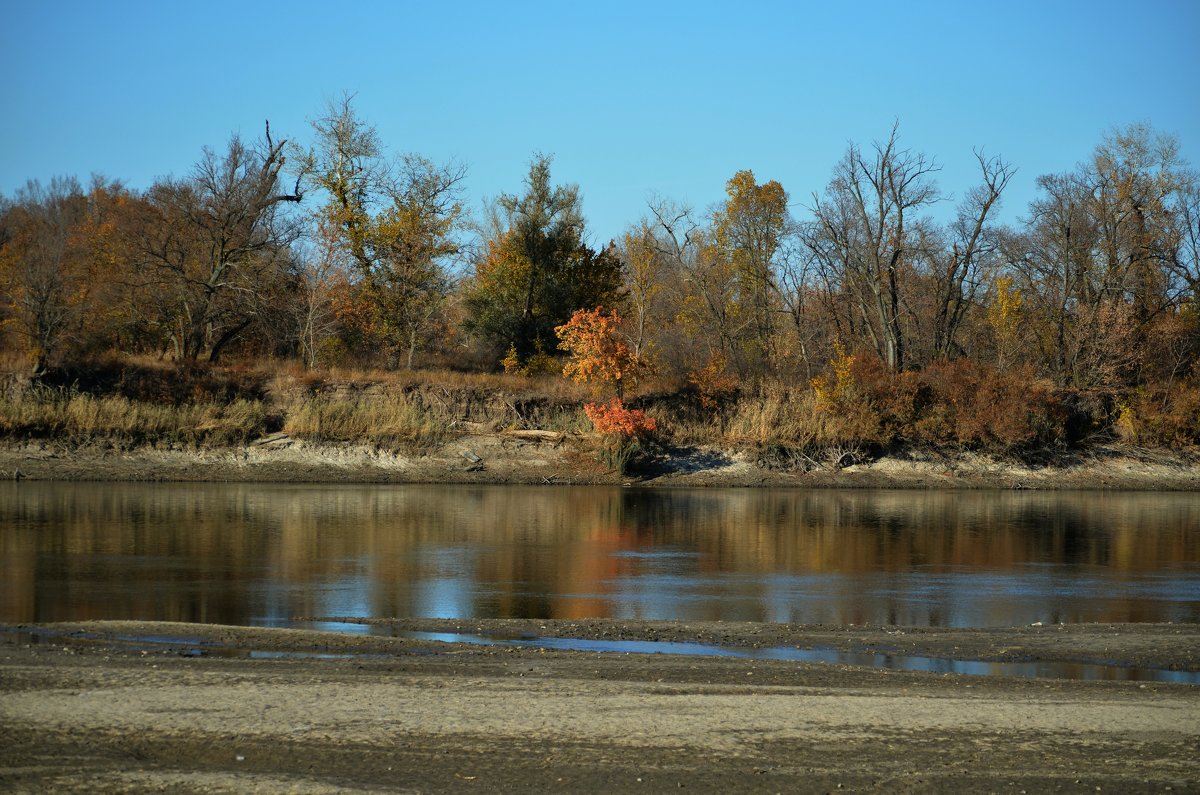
(1004, 316)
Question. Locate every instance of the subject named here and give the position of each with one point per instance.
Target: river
(267, 555)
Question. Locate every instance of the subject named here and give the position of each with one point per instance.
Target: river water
(264, 555)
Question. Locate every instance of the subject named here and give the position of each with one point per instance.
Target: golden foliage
(597, 352)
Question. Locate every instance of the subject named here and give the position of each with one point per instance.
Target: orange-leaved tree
(597, 352)
(599, 355)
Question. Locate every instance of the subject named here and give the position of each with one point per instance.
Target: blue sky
(632, 98)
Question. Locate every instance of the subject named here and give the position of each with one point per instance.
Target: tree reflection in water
(263, 554)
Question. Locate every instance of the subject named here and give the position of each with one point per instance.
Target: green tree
(535, 269)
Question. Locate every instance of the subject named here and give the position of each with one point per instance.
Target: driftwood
(274, 440)
(536, 436)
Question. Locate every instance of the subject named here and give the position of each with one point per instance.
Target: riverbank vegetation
(337, 292)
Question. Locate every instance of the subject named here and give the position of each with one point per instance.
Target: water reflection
(261, 555)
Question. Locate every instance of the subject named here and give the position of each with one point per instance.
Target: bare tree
(320, 267)
(703, 283)
(957, 271)
(1185, 253)
(799, 269)
(42, 278)
(211, 241)
(866, 219)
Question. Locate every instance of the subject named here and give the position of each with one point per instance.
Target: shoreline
(545, 458)
(90, 708)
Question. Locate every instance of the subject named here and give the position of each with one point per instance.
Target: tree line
(335, 251)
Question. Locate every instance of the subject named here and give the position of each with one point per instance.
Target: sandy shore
(98, 707)
(540, 457)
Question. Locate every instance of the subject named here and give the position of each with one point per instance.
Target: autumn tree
(63, 272)
(1136, 177)
(1099, 258)
(597, 351)
(44, 276)
(748, 230)
(1004, 316)
(398, 221)
(535, 269)
(209, 244)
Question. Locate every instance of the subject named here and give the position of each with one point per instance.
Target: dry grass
(377, 420)
(77, 417)
(961, 404)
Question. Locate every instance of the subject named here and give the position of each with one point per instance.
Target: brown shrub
(896, 400)
(982, 408)
(1160, 415)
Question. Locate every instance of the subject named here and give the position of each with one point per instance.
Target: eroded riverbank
(544, 458)
(95, 707)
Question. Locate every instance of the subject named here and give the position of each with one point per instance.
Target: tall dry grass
(79, 418)
(374, 419)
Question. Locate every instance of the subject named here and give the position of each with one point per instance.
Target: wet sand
(115, 707)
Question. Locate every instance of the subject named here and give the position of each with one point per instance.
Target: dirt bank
(83, 710)
(542, 457)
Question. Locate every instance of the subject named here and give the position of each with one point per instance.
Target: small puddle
(1088, 671)
(895, 662)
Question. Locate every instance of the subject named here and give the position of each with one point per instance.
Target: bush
(624, 433)
(984, 409)
(1159, 415)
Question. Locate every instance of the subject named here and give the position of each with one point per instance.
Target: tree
(320, 269)
(210, 243)
(956, 272)
(798, 286)
(644, 278)
(1004, 316)
(866, 234)
(398, 223)
(536, 269)
(747, 231)
(1100, 256)
(43, 268)
(1135, 176)
(702, 287)
(413, 240)
(597, 351)
(1184, 265)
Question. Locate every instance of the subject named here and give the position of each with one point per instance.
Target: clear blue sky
(632, 98)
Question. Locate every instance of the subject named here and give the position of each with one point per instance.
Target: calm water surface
(266, 554)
